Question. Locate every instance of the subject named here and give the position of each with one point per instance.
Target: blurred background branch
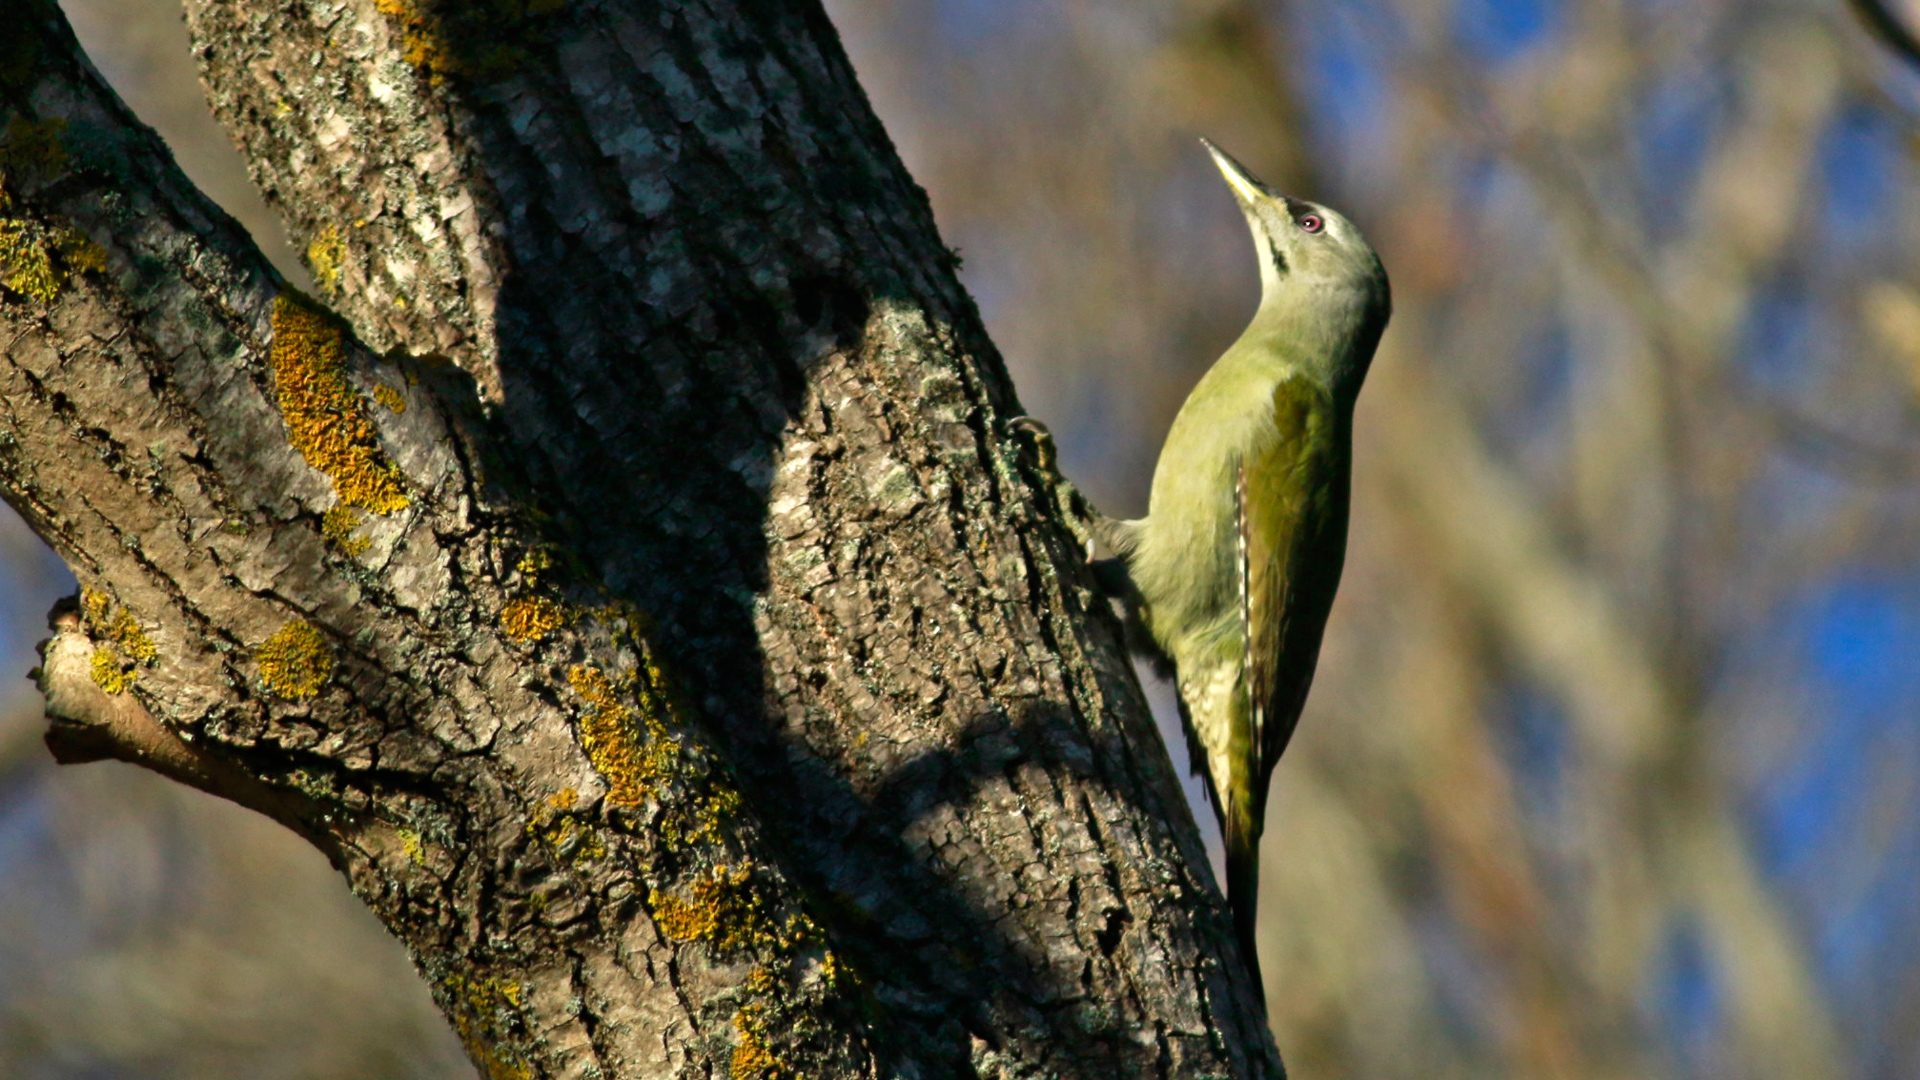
(1891, 29)
(1613, 764)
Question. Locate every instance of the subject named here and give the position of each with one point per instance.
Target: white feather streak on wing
(1243, 522)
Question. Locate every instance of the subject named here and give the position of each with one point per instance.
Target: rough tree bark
(620, 571)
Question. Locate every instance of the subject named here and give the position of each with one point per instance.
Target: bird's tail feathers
(1242, 836)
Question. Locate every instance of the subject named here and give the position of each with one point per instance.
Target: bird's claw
(1038, 441)
(1041, 453)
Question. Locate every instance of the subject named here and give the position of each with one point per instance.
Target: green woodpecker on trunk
(1233, 570)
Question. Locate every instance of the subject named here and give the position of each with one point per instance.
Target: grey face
(1300, 242)
(1322, 287)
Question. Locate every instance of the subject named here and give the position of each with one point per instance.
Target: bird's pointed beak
(1245, 187)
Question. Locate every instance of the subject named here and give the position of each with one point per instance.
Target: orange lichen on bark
(631, 753)
(752, 1059)
(486, 1012)
(627, 730)
(631, 732)
(534, 563)
(327, 419)
(835, 972)
(114, 623)
(531, 618)
(295, 662)
(727, 909)
(711, 911)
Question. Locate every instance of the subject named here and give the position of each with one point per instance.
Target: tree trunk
(621, 570)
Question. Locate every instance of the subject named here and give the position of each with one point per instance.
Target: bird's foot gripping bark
(1105, 541)
(1042, 459)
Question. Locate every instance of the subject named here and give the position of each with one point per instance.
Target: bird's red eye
(1312, 223)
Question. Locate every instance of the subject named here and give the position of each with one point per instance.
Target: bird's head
(1312, 259)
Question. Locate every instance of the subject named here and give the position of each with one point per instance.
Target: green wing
(1291, 504)
(1293, 535)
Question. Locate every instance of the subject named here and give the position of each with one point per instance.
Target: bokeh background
(1613, 765)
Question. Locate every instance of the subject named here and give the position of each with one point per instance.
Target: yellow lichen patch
(834, 971)
(337, 525)
(628, 731)
(81, 255)
(726, 909)
(326, 418)
(37, 260)
(684, 920)
(26, 266)
(114, 624)
(531, 618)
(534, 563)
(752, 1059)
(473, 39)
(704, 820)
(486, 1013)
(410, 843)
(629, 759)
(390, 397)
(295, 662)
(121, 644)
(326, 255)
(110, 674)
(127, 635)
(565, 834)
(94, 606)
